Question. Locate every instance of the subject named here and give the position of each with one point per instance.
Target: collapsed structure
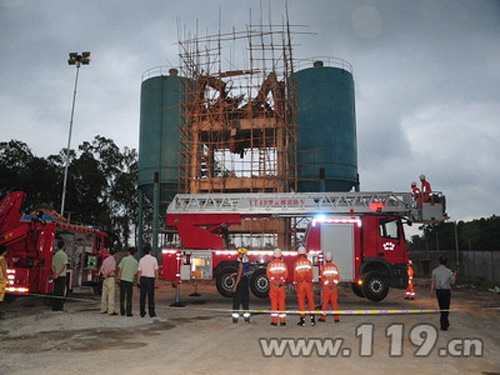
(224, 124)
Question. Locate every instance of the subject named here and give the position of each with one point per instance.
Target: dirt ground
(201, 339)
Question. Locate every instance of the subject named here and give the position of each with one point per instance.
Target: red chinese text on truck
(31, 241)
(363, 231)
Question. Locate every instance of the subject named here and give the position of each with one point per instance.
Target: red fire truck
(31, 239)
(363, 231)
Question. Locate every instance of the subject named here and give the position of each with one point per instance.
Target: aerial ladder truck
(363, 231)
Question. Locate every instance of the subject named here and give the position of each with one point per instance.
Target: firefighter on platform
(417, 194)
(329, 279)
(277, 273)
(410, 291)
(241, 293)
(426, 189)
(303, 280)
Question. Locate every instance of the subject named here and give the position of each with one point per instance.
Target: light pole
(74, 59)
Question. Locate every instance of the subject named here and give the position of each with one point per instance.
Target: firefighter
(410, 291)
(426, 189)
(241, 293)
(303, 280)
(329, 278)
(417, 194)
(277, 273)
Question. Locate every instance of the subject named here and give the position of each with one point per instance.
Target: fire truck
(31, 240)
(363, 231)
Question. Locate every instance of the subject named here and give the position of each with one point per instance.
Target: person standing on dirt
(442, 279)
(126, 273)
(277, 273)
(303, 281)
(241, 293)
(410, 290)
(147, 276)
(3, 274)
(59, 261)
(330, 279)
(107, 271)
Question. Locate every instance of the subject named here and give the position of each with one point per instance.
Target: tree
(21, 170)
(478, 234)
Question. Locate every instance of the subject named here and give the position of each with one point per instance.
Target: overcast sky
(427, 78)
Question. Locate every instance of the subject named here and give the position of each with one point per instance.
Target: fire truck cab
(371, 252)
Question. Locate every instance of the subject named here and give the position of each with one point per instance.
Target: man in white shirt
(107, 271)
(147, 274)
(442, 278)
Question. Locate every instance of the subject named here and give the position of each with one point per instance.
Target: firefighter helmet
(242, 251)
(422, 177)
(302, 250)
(413, 184)
(328, 256)
(277, 253)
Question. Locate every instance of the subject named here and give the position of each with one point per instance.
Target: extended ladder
(310, 204)
(293, 203)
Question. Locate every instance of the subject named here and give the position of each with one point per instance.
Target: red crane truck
(31, 239)
(363, 231)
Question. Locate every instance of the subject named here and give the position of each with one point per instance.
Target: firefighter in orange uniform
(329, 279)
(417, 194)
(277, 273)
(426, 189)
(410, 291)
(303, 280)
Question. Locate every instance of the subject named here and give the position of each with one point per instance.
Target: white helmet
(302, 250)
(414, 183)
(422, 177)
(328, 256)
(277, 253)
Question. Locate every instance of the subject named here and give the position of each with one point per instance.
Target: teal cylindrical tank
(327, 146)
(159, 143)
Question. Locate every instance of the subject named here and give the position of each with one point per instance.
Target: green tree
(21, 170)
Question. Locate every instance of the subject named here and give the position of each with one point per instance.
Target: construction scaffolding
(239, 125)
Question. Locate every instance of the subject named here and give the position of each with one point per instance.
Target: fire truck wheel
(259, 284)
(225, 282)
(357, 290)
(375, 286)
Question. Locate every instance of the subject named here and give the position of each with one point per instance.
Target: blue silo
(159, 143)
(327, 147)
